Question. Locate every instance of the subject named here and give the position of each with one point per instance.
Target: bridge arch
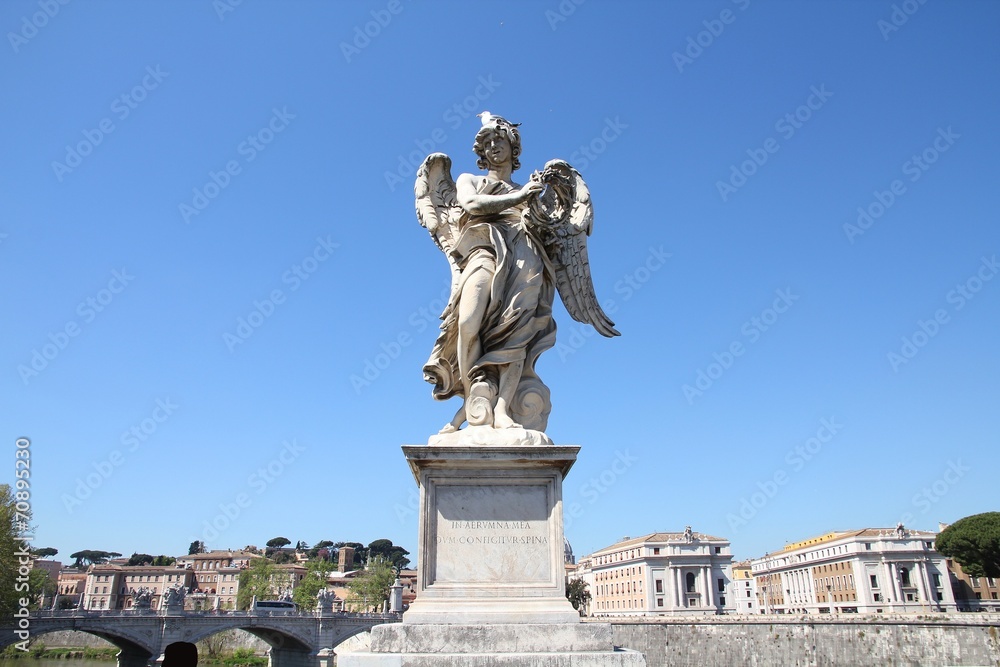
(135, 643)
(274, 634)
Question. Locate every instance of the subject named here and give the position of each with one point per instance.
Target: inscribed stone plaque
(493, 534)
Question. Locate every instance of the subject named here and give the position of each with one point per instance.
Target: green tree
(40, 586)
(11, 547)
(92, 557)
(196, 547)
(283, 557)
(395, 555)
(370, 589)
(974, 543)
(322, 550)
(312, 583)
(44, 552)
(577, 594)
(263, 580)
(140, 559)
(164, 560)
(278, 542)
(255, 581)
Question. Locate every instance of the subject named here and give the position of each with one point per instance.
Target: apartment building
(873, 570)
(660, 574)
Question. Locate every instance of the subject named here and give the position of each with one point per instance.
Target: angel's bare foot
(456, 421)
(500, 417)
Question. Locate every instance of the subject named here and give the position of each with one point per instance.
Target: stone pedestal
(491, 535)
(513, 645)
(491, 576)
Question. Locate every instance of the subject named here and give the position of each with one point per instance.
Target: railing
(215, 613)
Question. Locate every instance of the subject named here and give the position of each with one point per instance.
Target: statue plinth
(490, 542)
(491, 574)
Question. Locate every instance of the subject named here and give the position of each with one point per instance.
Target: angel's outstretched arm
(482, 204)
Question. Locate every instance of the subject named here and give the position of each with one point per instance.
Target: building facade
(875, 570)
(72, 585)
(660, 574)
(216, 577)
(111, 586)
(744, 588)
(973, 593)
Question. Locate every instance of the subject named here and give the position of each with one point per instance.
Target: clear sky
(219, 298)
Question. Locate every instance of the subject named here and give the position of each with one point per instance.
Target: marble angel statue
(510, 247)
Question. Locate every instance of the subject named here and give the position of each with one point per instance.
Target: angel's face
(497, 149)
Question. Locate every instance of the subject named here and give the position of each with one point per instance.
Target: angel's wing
(562, 216)
(437, 205)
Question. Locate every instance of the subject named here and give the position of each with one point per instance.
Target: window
(874, 580)
(868, 546)
(722, 586)
(722, 600)
(659, 585)
(991, 582)
(718, 550)
(656, 552)
(659, 602)
(904, 576)
(690, 582)
(975, 582)
(937, 580)
(878, 597)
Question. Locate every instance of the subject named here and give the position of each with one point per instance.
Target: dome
(568, 552)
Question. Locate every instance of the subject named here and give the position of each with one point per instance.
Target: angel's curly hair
(498, 126)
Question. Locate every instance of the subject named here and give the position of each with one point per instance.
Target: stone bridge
(296, 640)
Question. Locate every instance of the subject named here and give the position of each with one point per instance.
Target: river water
(31, 662)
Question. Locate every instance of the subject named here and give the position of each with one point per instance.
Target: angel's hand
(532, 187)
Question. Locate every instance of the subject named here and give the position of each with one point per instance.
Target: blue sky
(796, 224)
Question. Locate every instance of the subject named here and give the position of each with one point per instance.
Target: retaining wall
(926, 641)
